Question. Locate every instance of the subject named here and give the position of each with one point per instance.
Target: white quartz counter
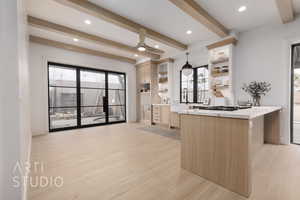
(241, 114)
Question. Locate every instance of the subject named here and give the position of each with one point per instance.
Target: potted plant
(256, 89)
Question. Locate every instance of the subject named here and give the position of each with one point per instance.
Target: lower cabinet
(174, 120)
(161, 114)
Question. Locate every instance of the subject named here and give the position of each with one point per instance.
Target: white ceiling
(82, 43)
(160, 15)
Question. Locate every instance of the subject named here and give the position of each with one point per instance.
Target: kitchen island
(220, 145)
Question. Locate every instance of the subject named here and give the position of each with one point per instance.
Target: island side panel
(218, 149)
(272, 128)
(257, 134)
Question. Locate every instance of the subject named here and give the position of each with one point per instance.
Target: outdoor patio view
(94, 107)
(296, 134)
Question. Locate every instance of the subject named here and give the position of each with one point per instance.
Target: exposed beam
(227, 41)
(104, 14)
(164, 60)
(286, 11)
(193, 9)
(40, 23)
(79, 49)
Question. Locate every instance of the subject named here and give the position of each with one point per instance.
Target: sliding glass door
(62, 97)
(116, 97)
(295, 95)
(92, 89)
(82, 97)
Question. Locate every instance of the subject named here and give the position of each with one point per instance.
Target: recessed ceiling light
(135, 55)
(75, 40)
(242, 9)
(189, 32)
(87, 22)
(156, 46)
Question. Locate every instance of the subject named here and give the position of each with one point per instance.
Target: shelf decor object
(256, 90)
(163, 81)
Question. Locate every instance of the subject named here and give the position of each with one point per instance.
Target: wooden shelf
(163, 91)
(163, 73)
(219, 62)
(145, 92)
(216, 87)
(220, 74)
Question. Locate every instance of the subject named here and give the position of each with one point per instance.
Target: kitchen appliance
(221, 108)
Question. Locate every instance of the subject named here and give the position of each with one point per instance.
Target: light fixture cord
(187, 56)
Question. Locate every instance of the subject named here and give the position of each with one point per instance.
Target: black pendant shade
(187, 68)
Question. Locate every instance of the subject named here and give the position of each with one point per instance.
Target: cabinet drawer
(155, 113)
(156, 120)
(156, 108)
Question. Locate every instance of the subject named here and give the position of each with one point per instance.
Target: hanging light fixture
(187, 69)
(141, 46)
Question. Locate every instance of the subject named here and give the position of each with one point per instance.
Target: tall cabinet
(147, 90)
(221, 72)
(154, 90)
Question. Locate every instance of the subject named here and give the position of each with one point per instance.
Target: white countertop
(241, 114)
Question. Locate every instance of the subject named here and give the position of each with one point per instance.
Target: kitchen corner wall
(262, 54)
(15, 133)
(38, 57)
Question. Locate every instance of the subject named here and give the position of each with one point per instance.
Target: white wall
(15, 134)
(262, 54)
(39, 55)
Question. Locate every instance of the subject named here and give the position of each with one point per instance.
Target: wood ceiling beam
(286, 10)
(40, 23)
(106, 15)
(193, 9)
(225, 42)
(164, 60)
(79, 49)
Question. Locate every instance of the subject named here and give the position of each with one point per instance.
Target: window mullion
(195, 88)
(78, 97)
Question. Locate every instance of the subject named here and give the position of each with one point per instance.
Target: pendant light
(187, 69)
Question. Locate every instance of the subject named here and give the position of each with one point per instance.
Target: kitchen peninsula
(220, 145)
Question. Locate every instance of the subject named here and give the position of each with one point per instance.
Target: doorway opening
(295, 95)
(83, 97)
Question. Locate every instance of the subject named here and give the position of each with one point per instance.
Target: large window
(194, 88)
(81, 97)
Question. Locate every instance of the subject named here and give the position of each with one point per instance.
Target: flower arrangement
(257, 89)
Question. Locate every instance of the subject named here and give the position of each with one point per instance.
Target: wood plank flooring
(122, 162)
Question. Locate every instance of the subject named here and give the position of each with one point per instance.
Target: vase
(256, 100)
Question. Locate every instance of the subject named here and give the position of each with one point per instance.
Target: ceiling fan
(141, 46)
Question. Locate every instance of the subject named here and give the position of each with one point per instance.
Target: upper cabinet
(165, 75)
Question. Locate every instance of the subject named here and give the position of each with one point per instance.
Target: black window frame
(292, 95)
(195, 85)
(78, 88)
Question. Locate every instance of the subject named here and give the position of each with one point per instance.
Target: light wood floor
(121, 162)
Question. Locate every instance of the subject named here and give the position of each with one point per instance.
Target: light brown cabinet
(144, 73)
(174, 120)
(145, 91)
(161, 114)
